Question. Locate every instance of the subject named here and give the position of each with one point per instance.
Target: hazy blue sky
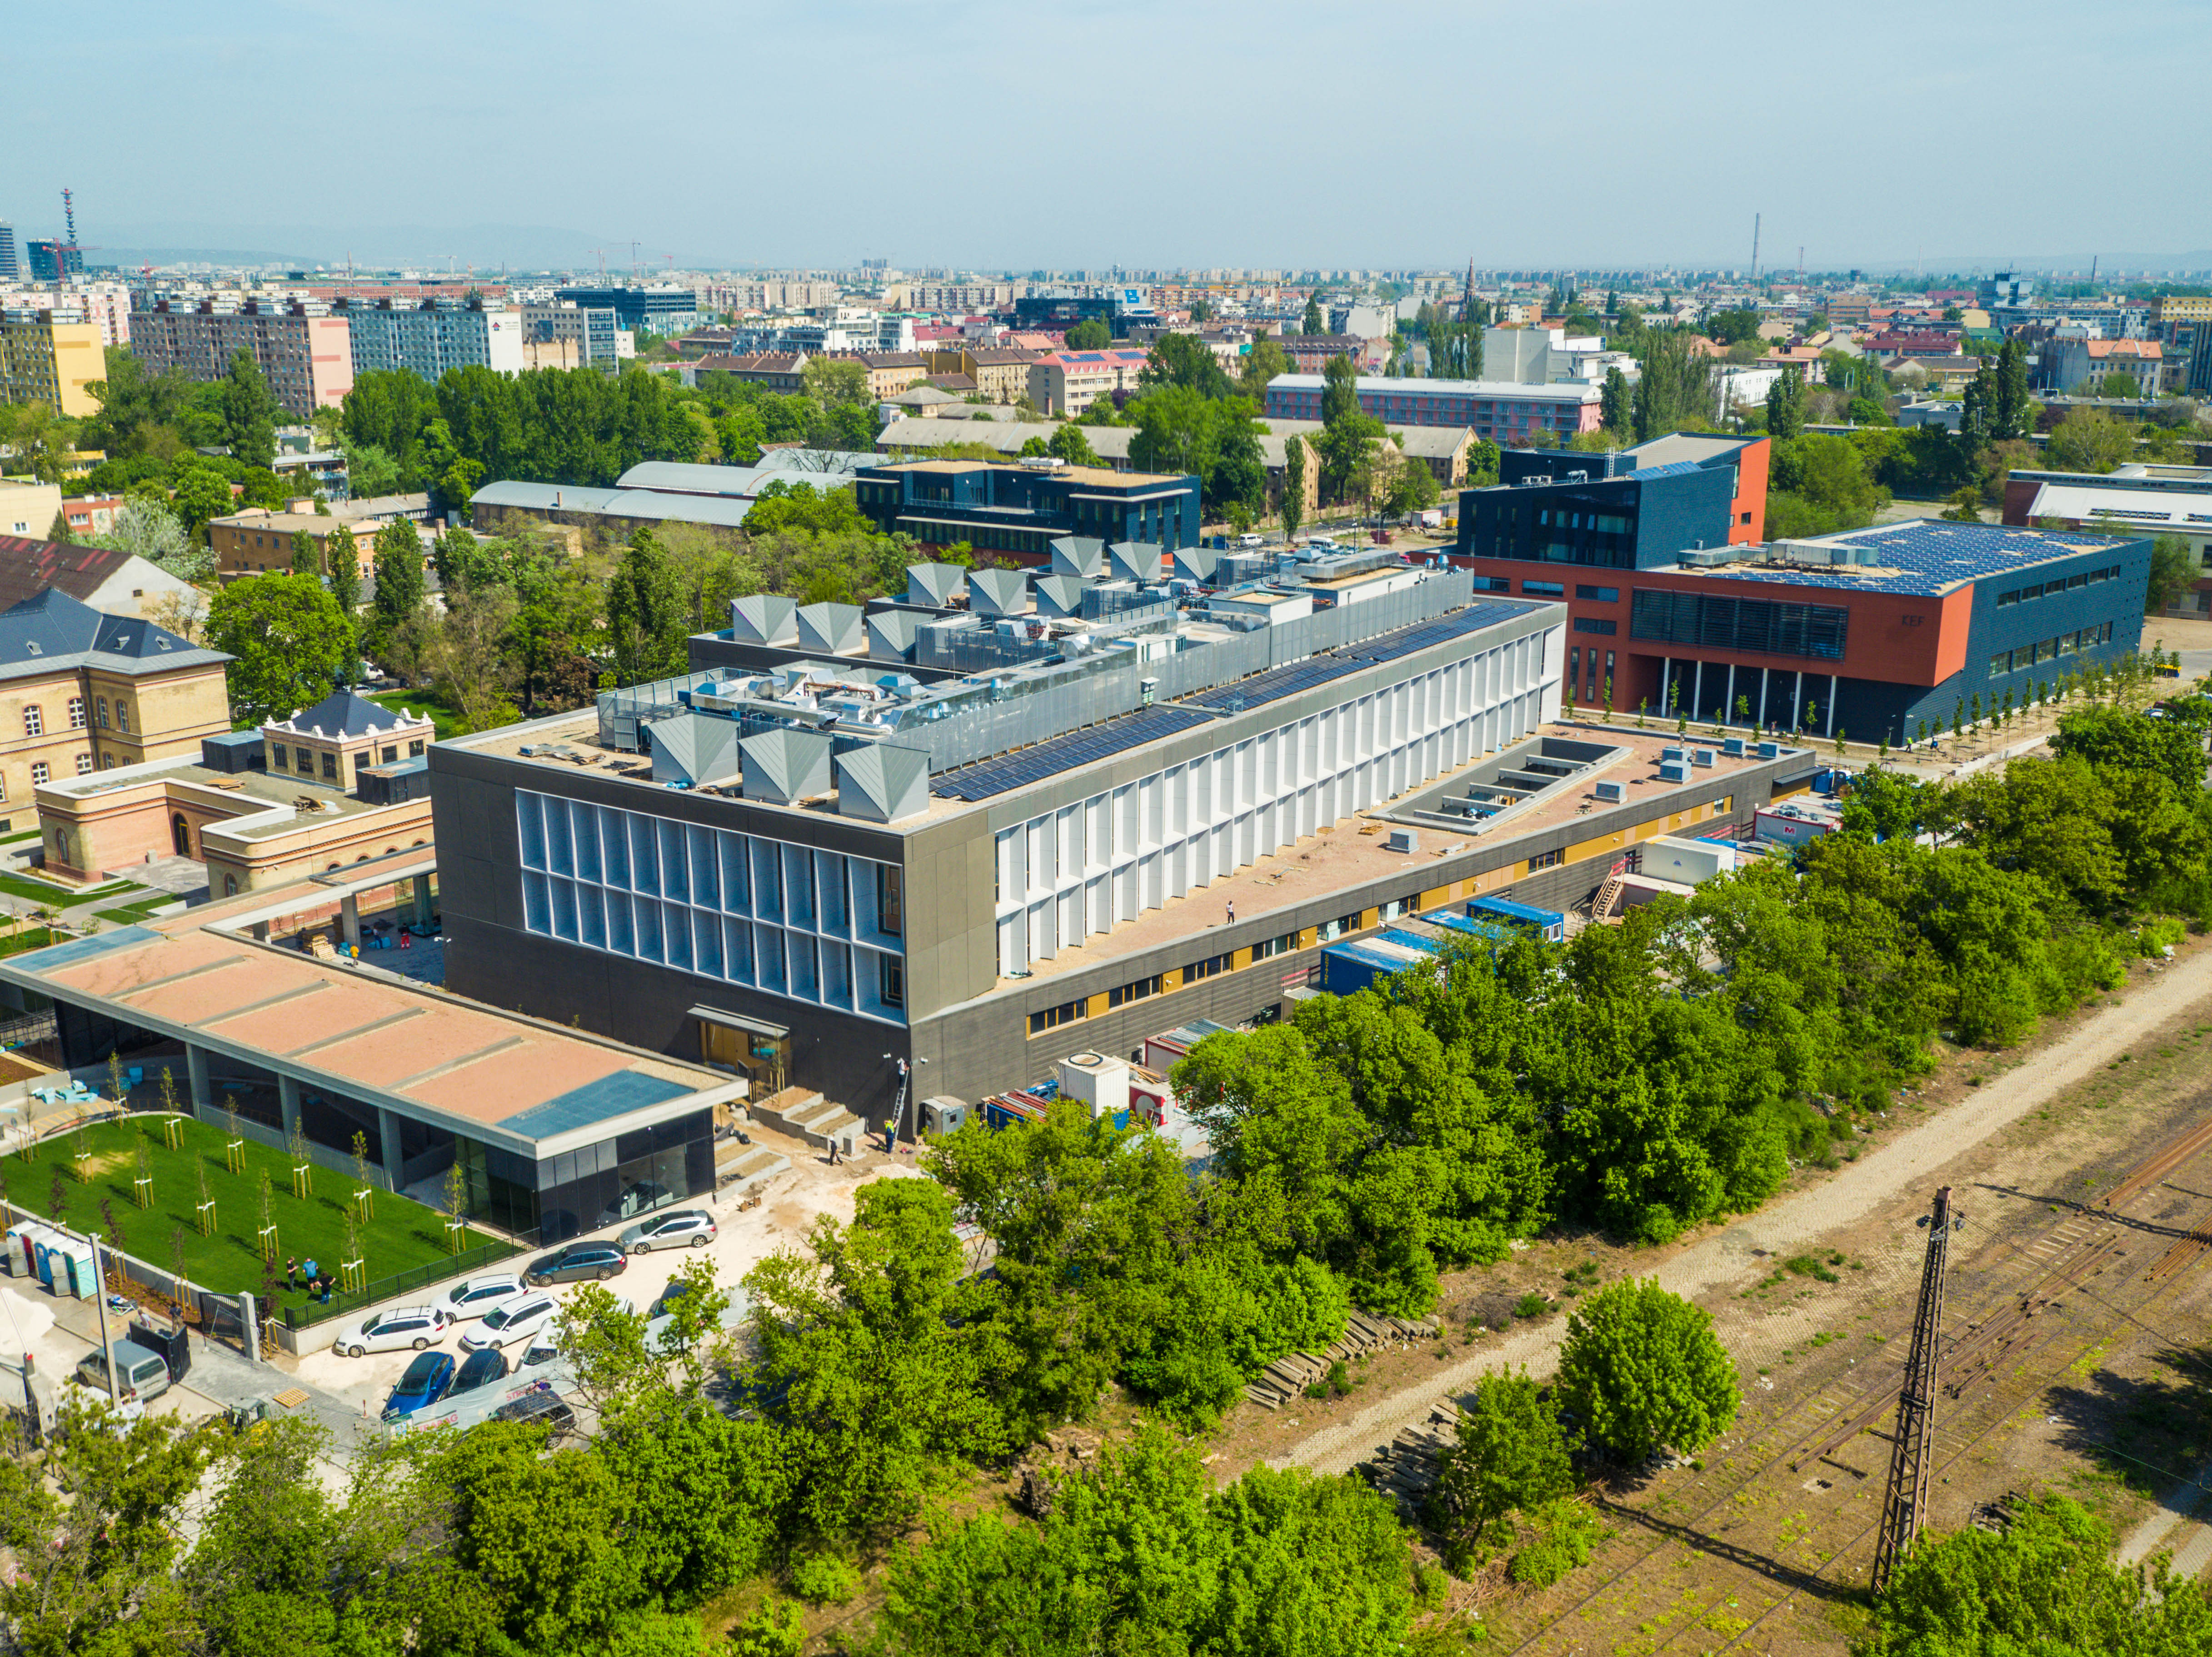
(1079, 133)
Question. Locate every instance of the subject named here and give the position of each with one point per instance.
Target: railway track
(2022, 1302)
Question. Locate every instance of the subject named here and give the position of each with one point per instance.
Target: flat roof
(1924, 558)
(438, 1056)
(1500, 390)
(1342, 857)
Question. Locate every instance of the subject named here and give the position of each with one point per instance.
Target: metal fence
(344, 1301)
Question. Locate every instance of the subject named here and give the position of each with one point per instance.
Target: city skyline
(1232, 136)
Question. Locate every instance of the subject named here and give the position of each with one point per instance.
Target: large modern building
(52, 358)
(427, 336)
(1018, 511)
(1063, 384)
(657, 309)
(1659, 553)
(2136, 499)
(1501, 411)
(305, 354)
(1018, 814)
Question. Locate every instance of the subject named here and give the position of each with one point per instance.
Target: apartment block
(306, 353)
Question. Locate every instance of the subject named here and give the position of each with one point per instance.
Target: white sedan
(418, 1326)
(511, 1323)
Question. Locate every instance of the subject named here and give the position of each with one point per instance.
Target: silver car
(679, 1228)
(511, 1323)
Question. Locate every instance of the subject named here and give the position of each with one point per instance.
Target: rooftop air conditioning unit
(1770, 751)
(1733, 747)
(1672, 751)
(1702, 756)
(1674, 771)
(1402, 839)
(1611, 793)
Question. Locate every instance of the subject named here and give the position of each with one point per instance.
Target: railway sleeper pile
(1405, 1469)
(1289, 1376)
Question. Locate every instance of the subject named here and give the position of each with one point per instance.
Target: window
(892, 980)
(84, 764)
(1495, 584)
(1599, 595)
(2000, 664)
(122, 715)
(1212, 966)
(76, 713)
(1053, 1017)
(390, 756)
(35, 723)
(1547, 590)
(107, 762)
(1547, 860)
(330, 766)
(1137, 992)
(415, 749)
(230, 886)
(39, 772)
(103, 713)
(891, 908)
(1268, 948)
(1602, 625)
(1752, 625)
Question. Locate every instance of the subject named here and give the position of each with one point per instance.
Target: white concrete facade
(1082, 869)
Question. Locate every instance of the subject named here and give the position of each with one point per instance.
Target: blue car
(429, 1379)
(479, 1369)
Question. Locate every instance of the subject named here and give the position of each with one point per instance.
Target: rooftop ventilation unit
(1770, 751)
(1733, 747)
(1402, 839)
(1611, 793)
(1674, 771)
(1702, 756)
(1673, 752)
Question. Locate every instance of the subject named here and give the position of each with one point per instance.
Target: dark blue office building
(1018, 511)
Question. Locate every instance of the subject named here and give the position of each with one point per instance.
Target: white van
(1245, 543)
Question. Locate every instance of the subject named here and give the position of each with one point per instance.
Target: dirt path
(1901, 1171)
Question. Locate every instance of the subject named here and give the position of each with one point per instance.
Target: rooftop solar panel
(987, 778)
(1276, 683)
(1406, 640)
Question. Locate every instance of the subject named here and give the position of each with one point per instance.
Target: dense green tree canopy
(291, 644)
(1641, 1369)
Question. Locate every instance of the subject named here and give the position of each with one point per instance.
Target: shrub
(824, 1579)
(1566, 1534)
(1641, 1369)
(1531, 1305)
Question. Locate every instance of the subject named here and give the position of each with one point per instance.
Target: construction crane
(1904, 1503)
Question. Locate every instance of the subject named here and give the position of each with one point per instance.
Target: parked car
(418, 1326)
(141, 1373)
(541, 1350)
(1245, 543)
(694, 1227)
(480, 1369)
(510, 1324)
(429, 1379)
(480, 1294)
(576, 1263)
(669, 1296)
(540, 1408)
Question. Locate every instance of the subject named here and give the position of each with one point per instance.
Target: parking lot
(791, 1202)
(348, 1394)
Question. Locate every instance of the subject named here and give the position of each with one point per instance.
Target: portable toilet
(73, 1270)
(47, 1251)
(23, 1247)
(943, 1114)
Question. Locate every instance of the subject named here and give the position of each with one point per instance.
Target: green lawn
(403, 1234)
(444, 717)
(30, 937)
(39, 892)
(136, 910)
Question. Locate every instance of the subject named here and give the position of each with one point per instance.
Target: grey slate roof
(345, 713)
(50, 631)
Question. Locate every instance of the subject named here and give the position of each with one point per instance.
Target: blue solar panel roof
(1926, 558)
(988, 778)
(595, 1101)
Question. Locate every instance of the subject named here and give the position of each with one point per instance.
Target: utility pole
(100, 1305)
(1904, 1503)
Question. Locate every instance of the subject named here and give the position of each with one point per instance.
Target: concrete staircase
(752, 1165)
(807, 1116)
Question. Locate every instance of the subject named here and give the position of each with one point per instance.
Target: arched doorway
(180, 835)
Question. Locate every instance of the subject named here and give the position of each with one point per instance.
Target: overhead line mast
(1904, 1503)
